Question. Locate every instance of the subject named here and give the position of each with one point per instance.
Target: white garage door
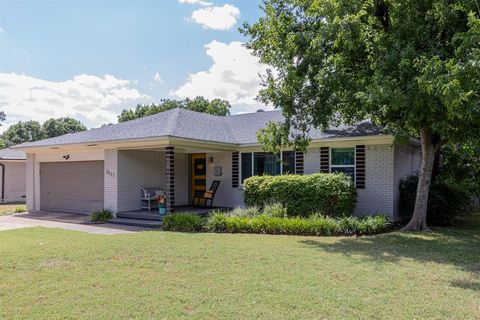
(75, 187)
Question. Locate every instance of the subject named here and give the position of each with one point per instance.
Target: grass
(7, 209)
(58, 274)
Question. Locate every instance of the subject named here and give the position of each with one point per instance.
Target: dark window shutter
(360, 166)
(325, 160)
(298, 162)
(235, 171)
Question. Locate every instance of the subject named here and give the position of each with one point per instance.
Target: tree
(57, 127)
(23, 132)
(28, 131)
(411, 66)
(216, 107)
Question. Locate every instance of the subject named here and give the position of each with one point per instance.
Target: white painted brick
(15, 181)
(226, 196)
(407, 162)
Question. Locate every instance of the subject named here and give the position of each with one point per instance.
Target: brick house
(184, 151)
(12, 176)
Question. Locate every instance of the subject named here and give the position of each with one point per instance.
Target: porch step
(154, 224)
(140, 216)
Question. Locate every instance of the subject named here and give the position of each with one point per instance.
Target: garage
(73, 187)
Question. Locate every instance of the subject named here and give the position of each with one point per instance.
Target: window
(261, 163)
(246, 166)
(288, 162)
(343, 160)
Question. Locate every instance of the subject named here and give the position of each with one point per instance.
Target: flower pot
(162, 210)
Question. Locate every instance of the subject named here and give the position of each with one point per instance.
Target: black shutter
(235, 171)
(298, 162)
(360, 166)
(325, 160)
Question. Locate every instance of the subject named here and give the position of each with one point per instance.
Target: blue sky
(90, 59)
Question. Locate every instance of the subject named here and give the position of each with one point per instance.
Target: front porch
(179, 172)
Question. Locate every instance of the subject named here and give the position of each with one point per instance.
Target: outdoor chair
(207, 195)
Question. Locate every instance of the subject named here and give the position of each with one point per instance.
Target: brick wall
(226, 195)
(111, 182)
(312, 161)
(377, 197)
(30, 181)
(15, 181)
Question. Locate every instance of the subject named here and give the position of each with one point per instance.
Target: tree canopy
(411, 66)
(27, 131)
(200, 104)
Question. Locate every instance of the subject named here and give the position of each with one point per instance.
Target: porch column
(170, 177)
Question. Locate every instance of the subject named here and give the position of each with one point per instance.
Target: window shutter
(325, 160)
(298, 162)
(235, 171)
(360, 166)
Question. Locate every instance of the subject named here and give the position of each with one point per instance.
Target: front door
(199, 174)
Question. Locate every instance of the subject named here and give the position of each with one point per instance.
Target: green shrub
(20, 210)
(183, 222)
(331, 194)
(101, 216)
(244, 212)
(447, 201)
(275, 210)
(315, 225)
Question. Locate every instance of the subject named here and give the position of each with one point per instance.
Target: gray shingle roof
(181, 123)
(12, 154)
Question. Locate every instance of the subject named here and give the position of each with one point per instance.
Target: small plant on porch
(161, 200)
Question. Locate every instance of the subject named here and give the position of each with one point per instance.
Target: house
(184, 151)
(12, 176)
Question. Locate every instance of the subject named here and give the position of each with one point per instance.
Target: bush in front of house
(183, 222)
(20, 210)
(331, 194)
(447, 200)
(313, 226)
(101, 216)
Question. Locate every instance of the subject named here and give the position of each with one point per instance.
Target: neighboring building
(184, 151)
(12, 176)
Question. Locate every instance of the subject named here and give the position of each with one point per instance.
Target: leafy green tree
(57, 127)
(411, 66)
(28, 131)
(199, 104)
(22, 132)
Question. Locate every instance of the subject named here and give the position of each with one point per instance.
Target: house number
(110, 173)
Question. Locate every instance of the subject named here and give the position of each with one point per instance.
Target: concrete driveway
(65, 221)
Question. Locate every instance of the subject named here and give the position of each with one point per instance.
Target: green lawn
(57, 274)
(6, 209)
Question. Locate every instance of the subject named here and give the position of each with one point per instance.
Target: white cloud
(200, 2)
(2, 30)
(157, 78)
(234, 76)
(217, 18)
(95, 100)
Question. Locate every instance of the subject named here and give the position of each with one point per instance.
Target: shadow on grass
(459, 247)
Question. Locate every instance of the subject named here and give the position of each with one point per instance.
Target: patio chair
(148, 197)
(207, 195)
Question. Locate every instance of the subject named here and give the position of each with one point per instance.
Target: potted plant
(162, 204)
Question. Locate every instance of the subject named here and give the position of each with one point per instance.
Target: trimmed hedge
(183, 222)
(330, 194)
(313, 226)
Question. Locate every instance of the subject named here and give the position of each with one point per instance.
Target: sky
(91, 59)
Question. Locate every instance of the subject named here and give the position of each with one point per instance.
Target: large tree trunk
(429, 149)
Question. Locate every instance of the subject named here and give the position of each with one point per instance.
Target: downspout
(3, 182)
